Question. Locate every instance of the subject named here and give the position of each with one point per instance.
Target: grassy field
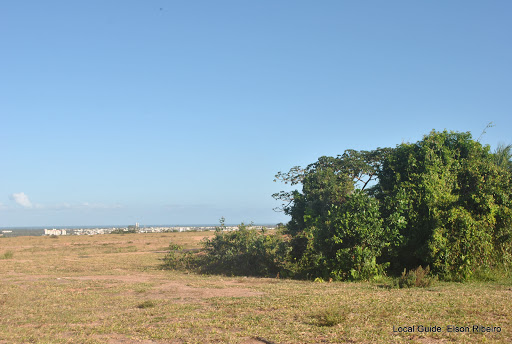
(111, 289)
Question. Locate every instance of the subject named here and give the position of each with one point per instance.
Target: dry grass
(110, 289)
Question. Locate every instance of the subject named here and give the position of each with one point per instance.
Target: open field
(110, 289)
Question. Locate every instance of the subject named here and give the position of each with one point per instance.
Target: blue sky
(181, 112)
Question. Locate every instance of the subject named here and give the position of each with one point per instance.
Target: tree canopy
(444, 201)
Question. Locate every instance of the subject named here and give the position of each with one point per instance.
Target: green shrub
(245, 252)
(146, 304)
(484, 274)
(329, 317)
(179, 259)
(242, 252)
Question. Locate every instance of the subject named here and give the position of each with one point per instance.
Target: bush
(484, 274)
(146, 304)
(330, 316)
(415, 278)
(179, 259)
(245, 252)
(242, 252)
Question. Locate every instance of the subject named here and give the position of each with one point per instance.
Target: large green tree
(444, 201)
(335, 222)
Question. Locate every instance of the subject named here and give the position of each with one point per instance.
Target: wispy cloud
(21, 199)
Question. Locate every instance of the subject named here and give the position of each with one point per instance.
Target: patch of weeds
(146, 304)
(121, 249)
(416, 278)
(329, 317)
(386, 282)
(381, 279)
(491, 275)
(7, 255)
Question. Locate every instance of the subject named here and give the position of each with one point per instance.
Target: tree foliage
(325, 183)
(336, 225)
(443, 202)
(458, 214)
(503, 156)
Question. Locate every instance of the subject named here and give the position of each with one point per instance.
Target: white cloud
(21, 199)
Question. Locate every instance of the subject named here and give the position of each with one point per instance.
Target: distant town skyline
(129, 111)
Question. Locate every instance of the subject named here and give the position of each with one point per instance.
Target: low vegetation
(146, 304)
(330, 316)
(416, 278)
(242, 252)
(7, 255)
